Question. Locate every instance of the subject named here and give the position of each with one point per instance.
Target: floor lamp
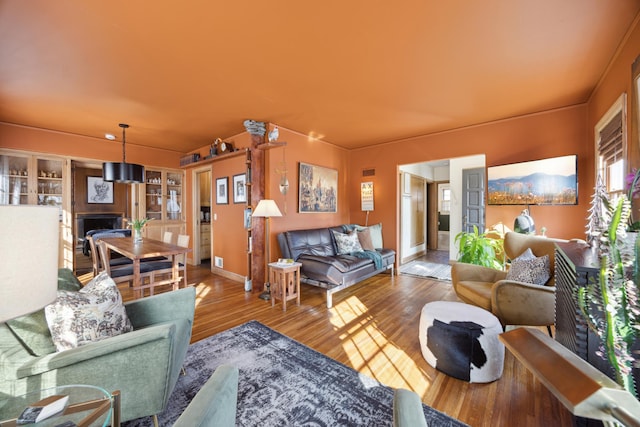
(266, 209)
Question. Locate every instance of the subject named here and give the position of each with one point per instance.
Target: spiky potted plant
(614, 296)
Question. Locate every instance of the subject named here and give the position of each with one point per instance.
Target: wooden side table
(285, 282)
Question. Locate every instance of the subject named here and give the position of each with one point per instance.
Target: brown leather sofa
(514, 303)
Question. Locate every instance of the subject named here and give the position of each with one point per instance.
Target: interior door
(473, 199)
(418, 220)
(202, 215)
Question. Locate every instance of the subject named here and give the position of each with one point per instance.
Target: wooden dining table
(147, 248)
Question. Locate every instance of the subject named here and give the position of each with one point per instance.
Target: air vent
(368, 172)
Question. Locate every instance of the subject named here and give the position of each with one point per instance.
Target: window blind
(611, 152)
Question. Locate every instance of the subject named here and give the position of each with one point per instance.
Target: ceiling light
(128, 173)
(110, 136)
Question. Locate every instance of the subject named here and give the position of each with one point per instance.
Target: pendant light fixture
(128, 173)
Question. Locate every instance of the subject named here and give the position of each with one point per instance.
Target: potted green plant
(610, 305)
(477, 248)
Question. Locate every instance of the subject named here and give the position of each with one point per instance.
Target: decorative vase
(137, 235)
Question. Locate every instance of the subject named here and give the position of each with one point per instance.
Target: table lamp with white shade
(28, 259)
(267, 208)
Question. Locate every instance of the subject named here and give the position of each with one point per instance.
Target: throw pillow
(364, 237)
(528, 268)
(94, 313)
(347, 242)
(376, 234)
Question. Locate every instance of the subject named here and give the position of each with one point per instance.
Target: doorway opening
(203, 217)
(431, 207)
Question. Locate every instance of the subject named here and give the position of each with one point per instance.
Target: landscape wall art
(552, 181)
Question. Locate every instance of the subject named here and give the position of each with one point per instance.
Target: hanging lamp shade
(129, 173)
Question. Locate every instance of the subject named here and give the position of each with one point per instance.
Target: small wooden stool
(285, 283)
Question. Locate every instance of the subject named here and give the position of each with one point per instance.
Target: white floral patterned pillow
(92, 314)
(347, 242)
(528, 268)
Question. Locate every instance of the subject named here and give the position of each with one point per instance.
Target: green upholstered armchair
(216, 402)
(514, 303)
(143, 364)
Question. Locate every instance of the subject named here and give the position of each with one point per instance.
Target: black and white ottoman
(461, 340)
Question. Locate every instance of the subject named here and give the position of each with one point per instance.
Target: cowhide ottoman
(461, 340)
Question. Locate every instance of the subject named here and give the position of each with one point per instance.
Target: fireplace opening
(104, 221)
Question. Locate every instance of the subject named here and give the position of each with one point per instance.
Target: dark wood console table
(577, 265)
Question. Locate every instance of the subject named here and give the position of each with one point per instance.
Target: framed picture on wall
(247, 218)
(240, 188)
(222, 191)
(317, 189)
(99, 190)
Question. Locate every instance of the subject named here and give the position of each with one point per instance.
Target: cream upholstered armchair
(513, 302)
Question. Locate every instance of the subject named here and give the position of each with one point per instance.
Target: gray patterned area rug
(427, 269)
(285, 383)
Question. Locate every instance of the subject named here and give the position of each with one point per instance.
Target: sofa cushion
(342, 263)
(32, 330)
(477, 293)
(364, 236)
(94, 313)
(347, 242)
(376, 234)
(312, 242)
(528, 268)
(67, 281)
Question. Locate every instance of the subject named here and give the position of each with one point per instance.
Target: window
(610, 147)
(445, 198)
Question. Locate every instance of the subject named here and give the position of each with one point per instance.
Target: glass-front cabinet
(38, 179)
(31, 180)
(162, 199)
(153, 195)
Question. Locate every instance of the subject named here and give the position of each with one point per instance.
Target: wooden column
(257, 224)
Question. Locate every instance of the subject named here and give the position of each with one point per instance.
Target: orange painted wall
(555, 133)
(301, 148)
(616, 81)
(229, 233)
(76, 146)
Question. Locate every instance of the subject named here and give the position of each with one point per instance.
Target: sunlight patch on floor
(370, 352)
(347, 311)
(201, 292)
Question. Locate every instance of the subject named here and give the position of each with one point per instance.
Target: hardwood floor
(373, 328)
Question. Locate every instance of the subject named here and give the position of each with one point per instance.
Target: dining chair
(123, 273)
(166, 267)
(183, 240)
(96, 262)
(167, 237)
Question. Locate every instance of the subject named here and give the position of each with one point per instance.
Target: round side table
(87, 406)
